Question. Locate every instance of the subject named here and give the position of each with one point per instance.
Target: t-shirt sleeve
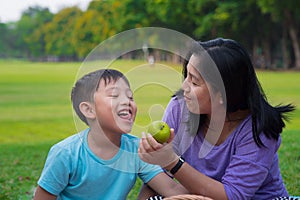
(148, 171)
(249, 166)
(55, 174)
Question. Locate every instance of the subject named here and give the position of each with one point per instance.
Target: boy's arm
(166, 186)
(41, 194)
(146, 192)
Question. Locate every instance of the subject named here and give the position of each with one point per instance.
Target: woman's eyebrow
(193, 76)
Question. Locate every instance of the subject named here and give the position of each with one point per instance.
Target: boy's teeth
(123, 113)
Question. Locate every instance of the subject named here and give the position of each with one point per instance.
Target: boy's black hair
(85, 87)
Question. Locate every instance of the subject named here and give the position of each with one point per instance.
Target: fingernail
(143, 135)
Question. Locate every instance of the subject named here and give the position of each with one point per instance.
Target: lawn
(36, 112)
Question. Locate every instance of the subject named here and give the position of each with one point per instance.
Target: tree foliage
(35, 39)
(287, 14)
(268, 28)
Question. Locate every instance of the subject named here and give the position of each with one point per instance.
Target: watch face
(181, 159)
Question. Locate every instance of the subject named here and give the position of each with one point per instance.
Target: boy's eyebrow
(112, 88)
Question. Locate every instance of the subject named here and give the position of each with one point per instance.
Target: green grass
(36, 112)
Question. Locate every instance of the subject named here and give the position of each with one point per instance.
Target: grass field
(36, 112)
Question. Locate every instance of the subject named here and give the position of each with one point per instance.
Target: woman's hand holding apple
(153, 152)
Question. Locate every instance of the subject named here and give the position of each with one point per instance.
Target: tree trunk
(285, 55)
(267, 54)
(293, 34)
(256, 55)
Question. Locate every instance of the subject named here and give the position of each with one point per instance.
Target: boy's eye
(129, 94)
(113, 95)
(130, 97)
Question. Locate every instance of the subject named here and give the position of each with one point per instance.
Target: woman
(226, 133)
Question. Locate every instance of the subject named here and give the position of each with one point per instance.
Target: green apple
(160, 131)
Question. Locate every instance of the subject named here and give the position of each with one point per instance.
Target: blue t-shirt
(73, 171)
(246, 170)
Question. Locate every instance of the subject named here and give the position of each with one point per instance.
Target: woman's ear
(221, 101)
(87, 110)
(220, 98)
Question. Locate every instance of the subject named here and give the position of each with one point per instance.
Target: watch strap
(177, 166)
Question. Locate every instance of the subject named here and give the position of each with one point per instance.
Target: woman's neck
(217, 131)
(239, 115)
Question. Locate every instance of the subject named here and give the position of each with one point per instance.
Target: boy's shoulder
(71, 142)
(130, 136)
(130, 141)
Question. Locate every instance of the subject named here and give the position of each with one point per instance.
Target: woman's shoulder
(175, 109)
(244, 133)
(175, 101)
(176, 104)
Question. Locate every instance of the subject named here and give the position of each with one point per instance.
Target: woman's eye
(196, 82)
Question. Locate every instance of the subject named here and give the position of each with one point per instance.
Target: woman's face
(196, 92)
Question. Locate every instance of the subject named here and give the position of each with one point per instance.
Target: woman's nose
(185, 85)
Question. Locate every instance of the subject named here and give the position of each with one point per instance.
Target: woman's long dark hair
(242, 88)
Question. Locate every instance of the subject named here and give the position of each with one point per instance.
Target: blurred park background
(268, 28)
(41, 53)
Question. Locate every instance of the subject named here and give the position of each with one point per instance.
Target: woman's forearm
(198, 183)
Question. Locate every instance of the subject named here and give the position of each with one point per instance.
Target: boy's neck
(105, 146)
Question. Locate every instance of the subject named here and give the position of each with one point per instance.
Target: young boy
(101, 162)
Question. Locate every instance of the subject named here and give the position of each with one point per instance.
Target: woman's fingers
(145, 150)
(149, 143)
(145, 143)
(153, 143)
(172, 135)
(155, 153)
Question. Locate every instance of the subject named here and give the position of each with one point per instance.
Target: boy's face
(114, 106)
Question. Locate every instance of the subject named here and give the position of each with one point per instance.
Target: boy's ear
(87, 110)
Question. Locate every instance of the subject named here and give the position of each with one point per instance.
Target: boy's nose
(125, 100)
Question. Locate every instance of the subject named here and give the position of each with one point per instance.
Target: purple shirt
(246, 170)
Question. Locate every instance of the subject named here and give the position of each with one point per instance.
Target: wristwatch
(177, 166)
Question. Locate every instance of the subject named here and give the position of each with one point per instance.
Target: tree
(268, 28)
(59, 33)
(36, 39)
(239, 20)
(286, 13)
(183, 16)
(4, 45)
(24, 27)
(101, 21)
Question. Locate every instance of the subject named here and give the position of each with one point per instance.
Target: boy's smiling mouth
(125, 114)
